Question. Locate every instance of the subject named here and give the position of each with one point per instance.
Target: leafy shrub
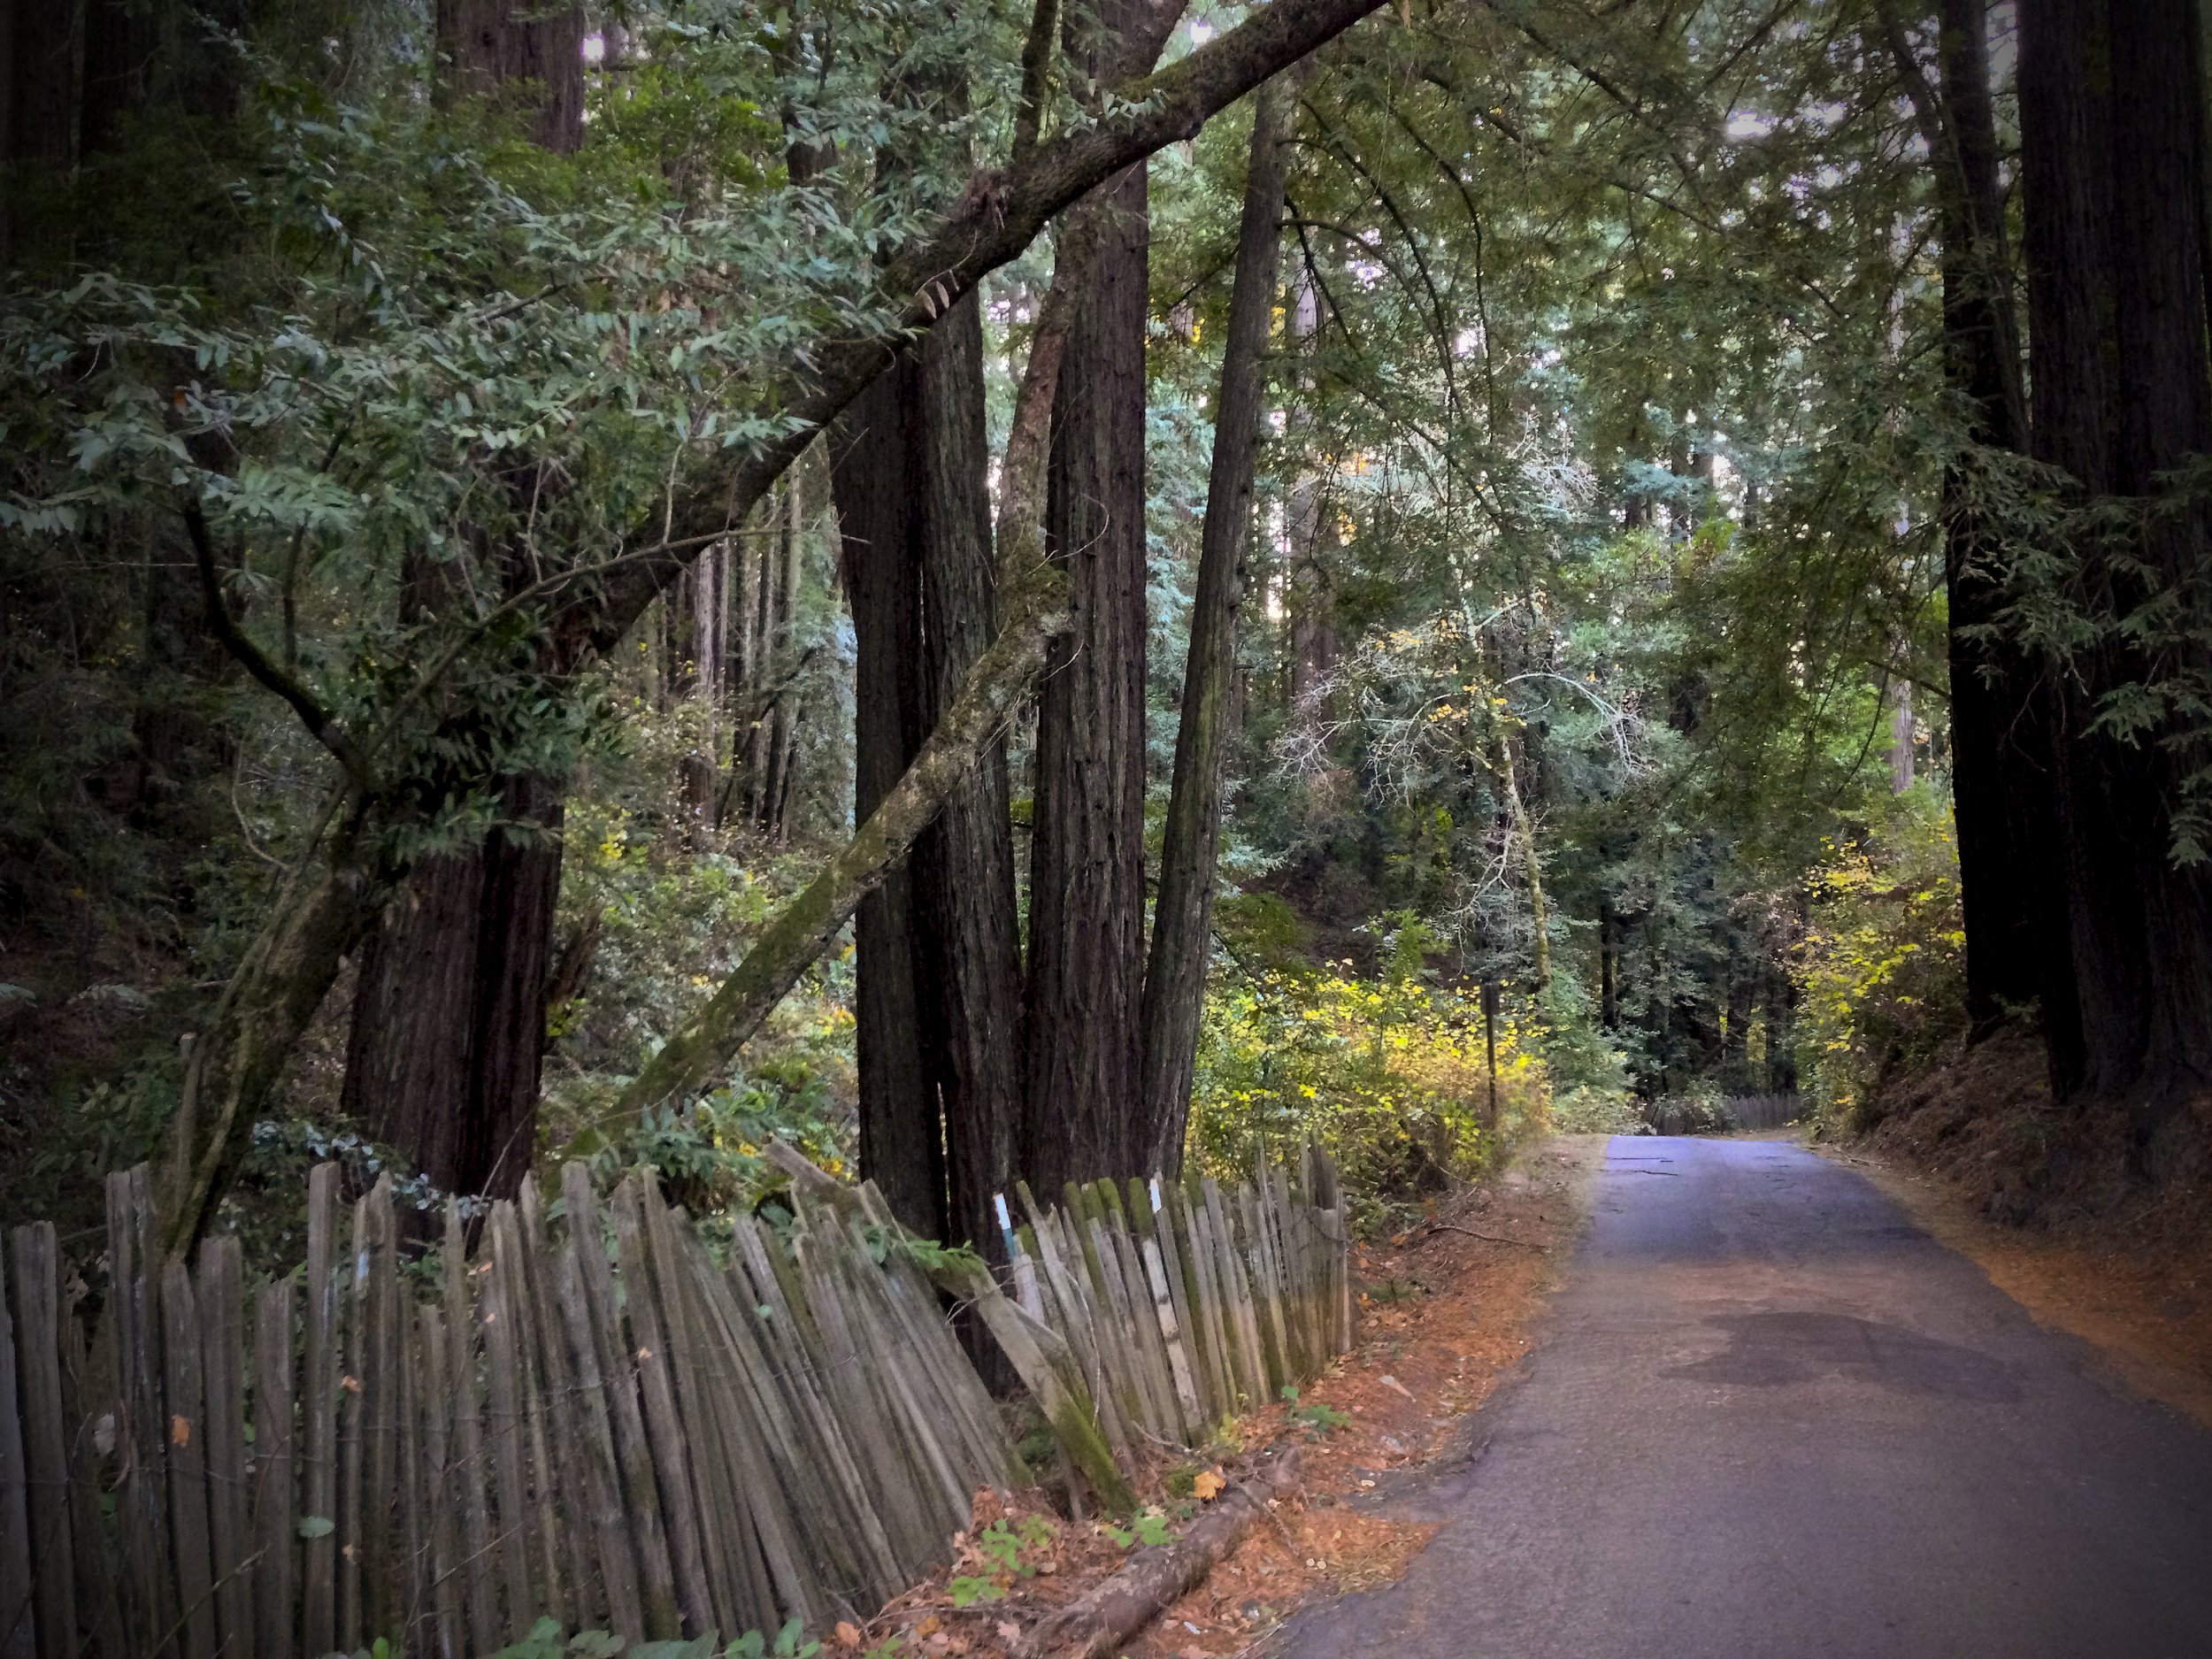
(1586, 1110)
(1389, 1077)
(1881, 972)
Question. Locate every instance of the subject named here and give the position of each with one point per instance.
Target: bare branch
(320, 723)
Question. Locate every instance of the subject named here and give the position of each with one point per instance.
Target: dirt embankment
(2044, 1200)
(1448, 1312)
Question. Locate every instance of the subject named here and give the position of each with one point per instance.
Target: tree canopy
(1031, 591)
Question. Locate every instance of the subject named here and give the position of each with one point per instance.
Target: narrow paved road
(1772, 1419)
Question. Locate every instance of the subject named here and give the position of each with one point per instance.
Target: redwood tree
(1175, 971)
(2112, 122)
(448, 1014)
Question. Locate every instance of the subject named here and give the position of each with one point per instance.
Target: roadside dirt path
(1770, 1416)
(1451, 1306)
(2148, 1309)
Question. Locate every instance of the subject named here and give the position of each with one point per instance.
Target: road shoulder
(2147, 1312)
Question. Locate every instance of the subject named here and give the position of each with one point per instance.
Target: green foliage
(1147, 1529)
(1882, 969)
(999, 1549)
(1315, 1416)
(1388, 1076)
(545, 1641)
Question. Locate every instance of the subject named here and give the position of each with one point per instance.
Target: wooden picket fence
(1186, 1305)
(599, 1417)
(1668, 1115)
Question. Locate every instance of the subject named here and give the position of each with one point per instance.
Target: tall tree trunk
(878, 484)
(971, 944)
(467, 936)
(1310, 593)
(514, 968)
(1087, 1115)
(1608, 958)
(408, 1050)
(1175, 975)
(41, 72)
(2113, 151)
(2011, 890)
(536, 54)
(787, 552)
(2159, 293)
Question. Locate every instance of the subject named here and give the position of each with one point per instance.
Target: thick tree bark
(448, 1030)
(878, 483)
(1033, 590)
(509, 47)
(2113, 142)
(2011, 892)
(39, 78)
(971, 944)
(407, 1055)
(1309, 591)
(448, 1018)
(2165, 386)
(2115, 222)
(514, 968)
(1175, 973)
(1087, 1115)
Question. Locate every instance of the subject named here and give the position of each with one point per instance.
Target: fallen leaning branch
(1491, 1238)
(1102, 1621)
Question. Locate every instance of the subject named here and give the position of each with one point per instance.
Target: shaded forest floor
(1447, 1315)
(2042, 1200)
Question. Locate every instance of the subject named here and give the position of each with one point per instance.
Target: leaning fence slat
(319, 1418)
(88, 1405)
(1172, 1320)
(1236, 1293)
(18, 1629)
(275, 1522)
(382, 1378)
(618, 1371)
(1198, 1280)
(662, 1427)
(1075, 1327)
(871, 1430)
(562, 1481)
(219, 1289)
(352, 1447)
(737, 1590)
(1260, 1277)
(412, 1618)
(505, 1440)
(806, 1416)
(438, 1488)
(913, 1304)
(1109, 1317)
(476, 1566)
(1152, 1197)
(764, 1432)
(1142, 1323)
(188, 1461)
(141, 1500)
(890, 1357)
(595, 1451)
(37, 1287)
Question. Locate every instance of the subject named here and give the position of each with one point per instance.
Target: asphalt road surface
(1772, 1419)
